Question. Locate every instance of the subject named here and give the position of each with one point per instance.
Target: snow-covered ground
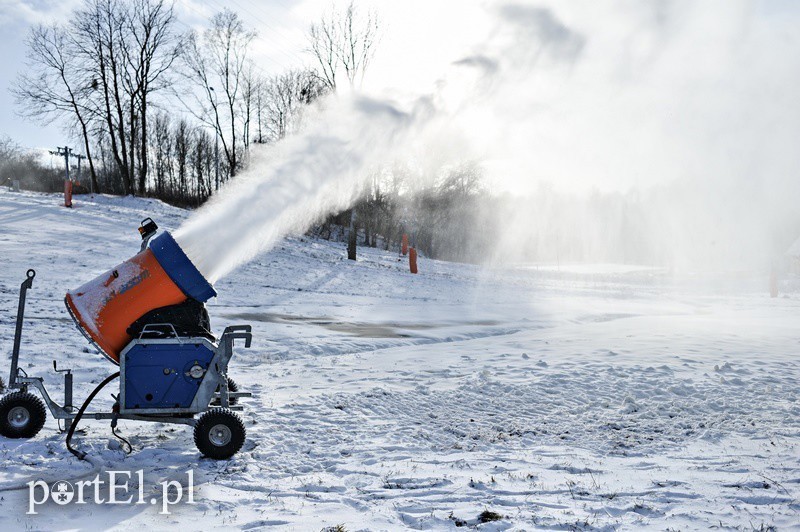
(558, 398)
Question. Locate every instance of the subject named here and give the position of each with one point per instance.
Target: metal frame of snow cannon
(19, 379)
(212, 387)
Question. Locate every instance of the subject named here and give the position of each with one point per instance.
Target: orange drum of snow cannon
(404, 245)
(157, 277)
(412, 259)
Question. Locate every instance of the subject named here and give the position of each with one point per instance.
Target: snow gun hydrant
(146, 315)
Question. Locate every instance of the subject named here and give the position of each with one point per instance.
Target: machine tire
(219, 433)
(232, 387)
(22, 415)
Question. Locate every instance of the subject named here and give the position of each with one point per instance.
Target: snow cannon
(148, 316)
(159, 276)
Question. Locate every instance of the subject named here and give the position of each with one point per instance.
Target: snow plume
(666, 139)
(666, 129)
(290, 186)
(321, 170)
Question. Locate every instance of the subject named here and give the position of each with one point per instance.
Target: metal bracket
(57, 410)
(148, 230)
(67, 385)
(240, 332)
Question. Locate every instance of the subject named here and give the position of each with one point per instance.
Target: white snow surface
(614, 399)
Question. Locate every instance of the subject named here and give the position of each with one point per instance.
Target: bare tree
(55, 86)
(126, 49)
(250, 88)
(344, 41)
(182, 148)
(201, 157)
(462, 180)
(102, 69)
(357, 42)
(324, 45)
(285, 96)
(162, 150)
(217, 64)
(17, 164)
(153, 48)
(99, 39)
(261, 99)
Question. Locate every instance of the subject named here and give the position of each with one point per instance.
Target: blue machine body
(157, 374)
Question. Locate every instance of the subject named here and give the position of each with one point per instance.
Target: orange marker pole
(67, 193)
(412, 260)
(404, 246)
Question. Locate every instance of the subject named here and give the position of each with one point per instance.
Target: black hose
(122, 439)
(80, 454)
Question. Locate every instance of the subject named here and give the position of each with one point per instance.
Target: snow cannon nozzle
(180, 268)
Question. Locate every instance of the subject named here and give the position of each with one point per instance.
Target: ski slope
(558, 398)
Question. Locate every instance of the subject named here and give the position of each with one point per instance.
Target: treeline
(158, 111)
(25, 167)
(172, 114)
(439, 213)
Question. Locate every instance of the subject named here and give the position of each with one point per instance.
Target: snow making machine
(146, 315)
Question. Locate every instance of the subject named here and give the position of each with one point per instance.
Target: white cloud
(21, 13)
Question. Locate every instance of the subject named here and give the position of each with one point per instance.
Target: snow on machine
(146, 315)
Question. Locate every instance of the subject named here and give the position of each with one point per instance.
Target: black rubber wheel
(219, 433)
(232, 387)
(22, 415)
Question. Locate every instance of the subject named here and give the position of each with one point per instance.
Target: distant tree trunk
(351, 237)
(92, 173)
(182, 141)
(56, 86)
(143, 144)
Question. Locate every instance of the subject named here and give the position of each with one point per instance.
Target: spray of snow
(322, 169)
(290, 186)
(676, 114)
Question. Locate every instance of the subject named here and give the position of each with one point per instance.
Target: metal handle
(28, 282)
(241, 332)
(237, 328)
(26, 285)
(154, 327)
